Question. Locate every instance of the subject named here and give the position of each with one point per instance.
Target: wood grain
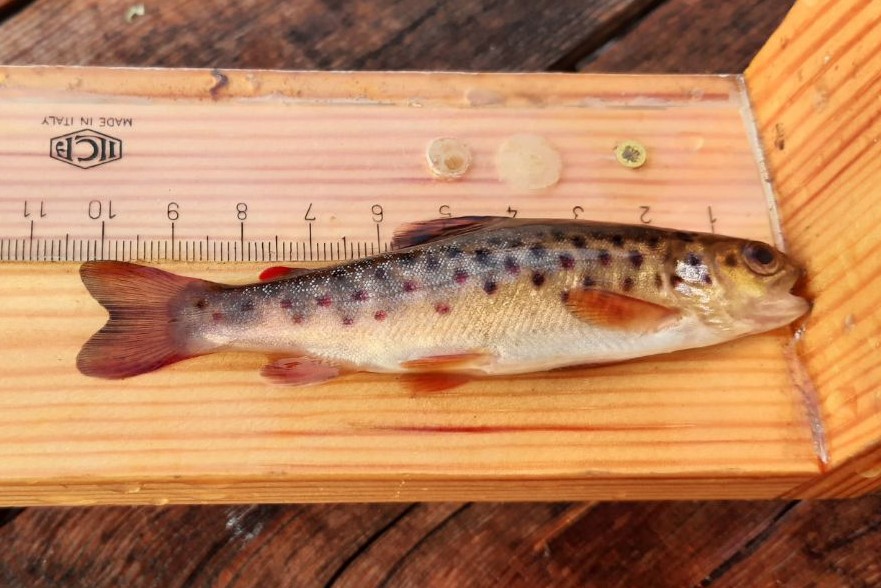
(315, 34)
(732, 543)
(689, 36)
(814, 87)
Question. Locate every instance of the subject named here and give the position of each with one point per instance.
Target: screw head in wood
(630, 153)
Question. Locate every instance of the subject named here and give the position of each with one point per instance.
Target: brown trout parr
(471, 296)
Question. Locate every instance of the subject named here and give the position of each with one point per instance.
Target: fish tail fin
(142, 333)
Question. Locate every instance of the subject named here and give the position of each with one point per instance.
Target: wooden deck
(449, 544)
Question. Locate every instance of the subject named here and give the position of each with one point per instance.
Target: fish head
(736, 285)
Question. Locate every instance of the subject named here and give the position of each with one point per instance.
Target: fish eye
(761, 258)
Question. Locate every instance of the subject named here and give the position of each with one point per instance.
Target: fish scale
(475, 295)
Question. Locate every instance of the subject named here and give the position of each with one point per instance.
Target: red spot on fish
(324, 300)
(604, 257)
(348, 320)
(359, 296)
(409, 286)
(217, 317)
(380, 315)
(460, 276)
(442, 308)
(567, 261)
(286, 304)
(298, 319)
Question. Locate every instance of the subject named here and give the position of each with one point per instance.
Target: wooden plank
(313, 34)
(210, 430)
(684, 36)
(814, 87)
(730, 543)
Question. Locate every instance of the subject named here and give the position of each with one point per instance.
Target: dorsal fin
(618, 311)
(420, 232)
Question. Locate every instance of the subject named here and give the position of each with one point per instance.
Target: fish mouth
(780, 310)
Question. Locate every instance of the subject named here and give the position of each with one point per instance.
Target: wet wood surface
(558, 544)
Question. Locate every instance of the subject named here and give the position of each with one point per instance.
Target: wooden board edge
(177, 490)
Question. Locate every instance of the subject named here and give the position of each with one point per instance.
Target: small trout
(467, 296)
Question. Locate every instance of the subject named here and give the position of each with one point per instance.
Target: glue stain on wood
(528, 162)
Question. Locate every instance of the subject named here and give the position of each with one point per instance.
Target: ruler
(288, 167)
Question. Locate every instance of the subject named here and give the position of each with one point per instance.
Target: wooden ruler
(193, 168)
(307, 167)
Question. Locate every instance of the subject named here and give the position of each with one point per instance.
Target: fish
(454, 299)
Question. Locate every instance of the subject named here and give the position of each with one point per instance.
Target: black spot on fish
(558, 235)
(627, 285)
(658, 281)
(432, 263)
(618, 241)
(246, 305)
(636, 259)
(731, 260)
(564, 296)
(483, 257)
(675, 280)
(578, 242)
(683, 236)
(604, 257)
(708, 280)
(653, 241)
(495, 241)
(692, 259)
(490, 287)
(567, 261)
(453, 252)
(381, 273)
(286, 303)
(515, 243)
(408, 257)
(537, 250)
(359, 296)
(409, 286)
(588, 282)
(460, 276)
(511, 265)
(201, 304)
(538, 279)
(338, 272)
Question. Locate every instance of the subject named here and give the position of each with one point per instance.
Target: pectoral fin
(617, 311)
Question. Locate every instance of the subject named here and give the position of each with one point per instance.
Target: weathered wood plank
(685, 36)
(315, 34)
(559, 544)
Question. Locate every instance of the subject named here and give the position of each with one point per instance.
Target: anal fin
(434, 382)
